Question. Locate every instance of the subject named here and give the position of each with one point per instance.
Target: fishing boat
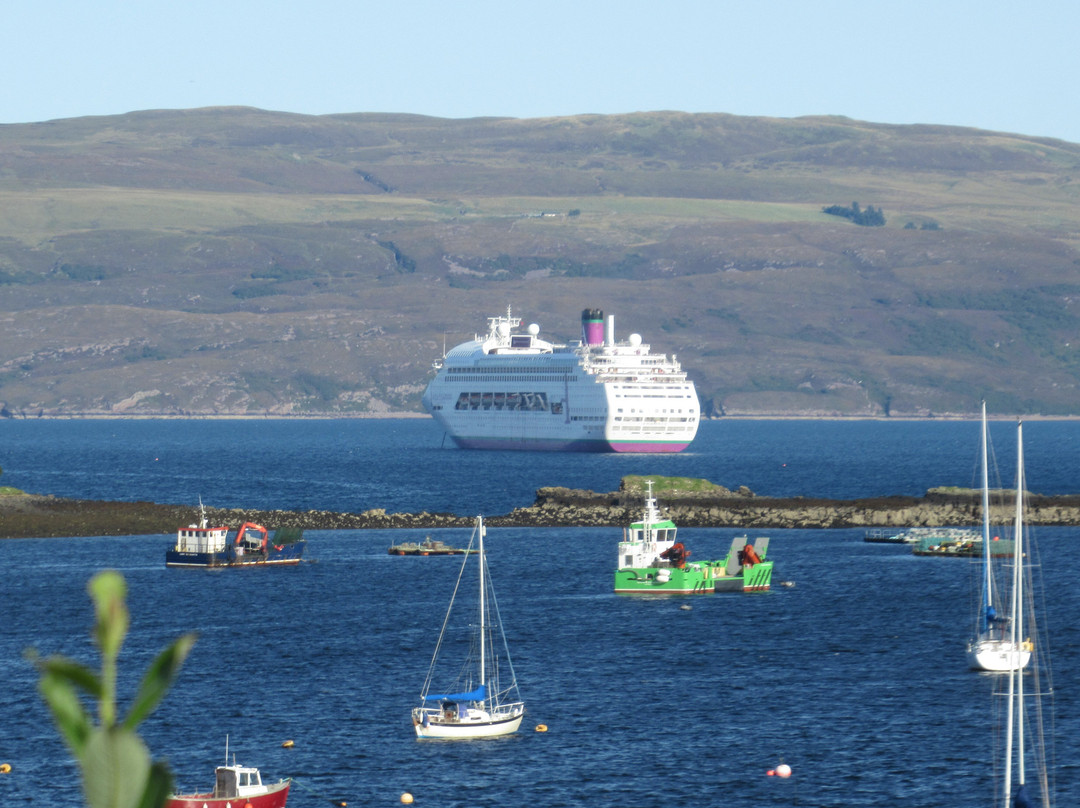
(235, 787)
(1025, 694)
(206, 546)
(652, 561)
(993, 648)
(427, 547)
(482, 700)
(511, 389)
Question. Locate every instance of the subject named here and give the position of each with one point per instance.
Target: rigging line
(506, 647)
(446, 619)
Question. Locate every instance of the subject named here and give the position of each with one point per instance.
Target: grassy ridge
(663, 487)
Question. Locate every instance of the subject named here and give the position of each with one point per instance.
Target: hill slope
(241, 261)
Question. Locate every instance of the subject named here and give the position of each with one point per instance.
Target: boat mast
(988, 580)
(483, 610)
(1016, 675)
(651, 515)
(1018, 594)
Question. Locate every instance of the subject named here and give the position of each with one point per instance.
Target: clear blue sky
(995, 65)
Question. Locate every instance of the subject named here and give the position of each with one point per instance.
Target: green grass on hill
(671, 486)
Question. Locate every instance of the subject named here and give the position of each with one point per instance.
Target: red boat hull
(273, 797)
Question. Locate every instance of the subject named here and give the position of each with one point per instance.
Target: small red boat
(235, 787)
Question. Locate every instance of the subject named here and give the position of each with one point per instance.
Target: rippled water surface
(855, 676)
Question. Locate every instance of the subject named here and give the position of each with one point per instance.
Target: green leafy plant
(117, 771)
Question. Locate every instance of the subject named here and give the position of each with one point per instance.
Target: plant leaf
(158, 787)
(108, 590)
(68, 711)
(115, 768)
(157, 679)
(73, 672)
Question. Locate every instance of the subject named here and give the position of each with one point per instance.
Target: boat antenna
(483, 614)
(226, 749)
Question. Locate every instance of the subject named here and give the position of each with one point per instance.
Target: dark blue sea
(855, 676)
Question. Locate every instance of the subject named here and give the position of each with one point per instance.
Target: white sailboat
(476, 705)
(992, 648)
(1025, 782)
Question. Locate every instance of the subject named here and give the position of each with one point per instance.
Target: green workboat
(652, 561)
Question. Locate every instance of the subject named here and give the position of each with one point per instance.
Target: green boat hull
(701, 578)
(757, 578)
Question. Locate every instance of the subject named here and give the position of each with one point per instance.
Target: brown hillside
(243, 261)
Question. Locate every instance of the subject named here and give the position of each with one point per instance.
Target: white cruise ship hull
(518, 392)
(586, 423)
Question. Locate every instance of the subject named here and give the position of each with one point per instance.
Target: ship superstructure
(514, 390)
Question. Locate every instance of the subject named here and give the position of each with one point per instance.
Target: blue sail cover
(473, 695)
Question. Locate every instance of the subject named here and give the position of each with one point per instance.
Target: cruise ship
(511, 389)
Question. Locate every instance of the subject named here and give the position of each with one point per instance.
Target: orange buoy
(541, 727)
(287, 745)
(406, 798)
(5, 768)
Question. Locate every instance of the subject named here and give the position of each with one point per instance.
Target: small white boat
(993, 648)
(476, 704)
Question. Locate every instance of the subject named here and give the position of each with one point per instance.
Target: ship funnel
(592, 327)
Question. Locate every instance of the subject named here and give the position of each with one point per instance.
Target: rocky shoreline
(36, 516)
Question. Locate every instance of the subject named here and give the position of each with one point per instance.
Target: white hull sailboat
(1025, 781)
(993, 647)
(476, 706)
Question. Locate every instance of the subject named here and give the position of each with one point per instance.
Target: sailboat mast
(1014, 725)
(483, 609)
(988, 579)
(1018, 596)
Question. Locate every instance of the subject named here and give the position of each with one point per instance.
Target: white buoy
(783, 770)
